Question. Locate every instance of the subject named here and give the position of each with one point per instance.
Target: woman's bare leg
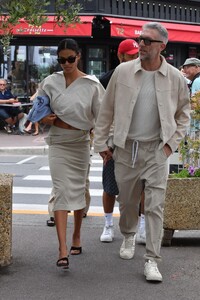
(61, 227)
(76, 239)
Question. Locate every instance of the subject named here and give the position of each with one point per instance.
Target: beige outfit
(69, 150)
(142, 164)
(121, 96)
(87, 197)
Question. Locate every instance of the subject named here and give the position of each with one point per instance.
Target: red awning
(130, 28)
(50, 28)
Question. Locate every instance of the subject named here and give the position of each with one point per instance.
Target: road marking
(48, 178)
(97, 161)
(46, 168)
(25, 160)
(23, 208)
(36, 212)
(46, 191)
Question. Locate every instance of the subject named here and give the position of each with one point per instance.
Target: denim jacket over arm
(120, 98)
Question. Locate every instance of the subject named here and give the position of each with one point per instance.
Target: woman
(75, 100)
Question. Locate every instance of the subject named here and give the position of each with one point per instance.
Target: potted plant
(182, 205)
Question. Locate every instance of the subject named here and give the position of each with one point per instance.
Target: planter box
(182, 206)
(6, 182)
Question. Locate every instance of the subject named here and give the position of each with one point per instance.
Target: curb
(37, 150)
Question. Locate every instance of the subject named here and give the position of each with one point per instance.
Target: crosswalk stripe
(48, 178)
(97, 161)
(46, 191)
(46, 168)
(25, 160)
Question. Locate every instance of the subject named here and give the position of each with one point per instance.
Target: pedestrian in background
(191, 68)
(75, 100)
(10, 114)
(148, 101)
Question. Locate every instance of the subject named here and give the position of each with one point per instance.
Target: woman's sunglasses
(70, 60)
(147, 41)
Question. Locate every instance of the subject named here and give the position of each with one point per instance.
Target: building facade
(104, 23)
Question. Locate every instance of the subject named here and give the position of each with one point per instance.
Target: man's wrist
(111, 149)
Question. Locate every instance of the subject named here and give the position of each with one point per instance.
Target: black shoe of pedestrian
(51, 222)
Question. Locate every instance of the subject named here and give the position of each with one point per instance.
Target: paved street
(98, 273)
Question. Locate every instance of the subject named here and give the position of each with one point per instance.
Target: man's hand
(49, 120)
(12, 100)
(106, 155)
(167, 150)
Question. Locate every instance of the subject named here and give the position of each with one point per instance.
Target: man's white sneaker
(127, 249)
(151, 271)
(108, 234)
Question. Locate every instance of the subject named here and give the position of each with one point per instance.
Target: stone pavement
(98, 273)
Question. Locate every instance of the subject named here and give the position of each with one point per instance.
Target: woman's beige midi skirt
(69, 155)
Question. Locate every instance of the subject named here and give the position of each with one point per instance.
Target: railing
(182, 11)
(171, 10)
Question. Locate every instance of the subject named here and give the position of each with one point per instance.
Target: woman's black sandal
(51, 222)
(77, 249)
(63, 262)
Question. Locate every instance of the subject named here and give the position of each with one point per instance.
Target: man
(127, 50)
(147, 99)
(191, 68)
(11, 115)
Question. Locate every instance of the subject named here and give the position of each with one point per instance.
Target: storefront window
(26, 66)
(16, 68)
(42, 61)
(96, 61)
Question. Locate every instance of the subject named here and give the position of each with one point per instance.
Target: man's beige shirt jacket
(120, 98)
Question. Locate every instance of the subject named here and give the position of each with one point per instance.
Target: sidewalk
(98, 273)
(22, 144)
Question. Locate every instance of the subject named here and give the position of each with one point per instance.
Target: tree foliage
(34, 12)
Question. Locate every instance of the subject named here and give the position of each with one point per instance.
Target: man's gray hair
(5, 80)
(160, 28)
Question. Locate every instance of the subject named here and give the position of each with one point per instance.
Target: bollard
(6, 183)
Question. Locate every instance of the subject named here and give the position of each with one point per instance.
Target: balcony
(180, 11)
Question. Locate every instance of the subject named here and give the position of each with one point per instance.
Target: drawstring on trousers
(134, 152)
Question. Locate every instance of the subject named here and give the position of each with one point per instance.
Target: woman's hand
(49, 120)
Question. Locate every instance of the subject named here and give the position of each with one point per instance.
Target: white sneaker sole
(152, 278)
(106, 240)
(126, 256)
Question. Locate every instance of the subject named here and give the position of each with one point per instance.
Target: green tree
(34, 12)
